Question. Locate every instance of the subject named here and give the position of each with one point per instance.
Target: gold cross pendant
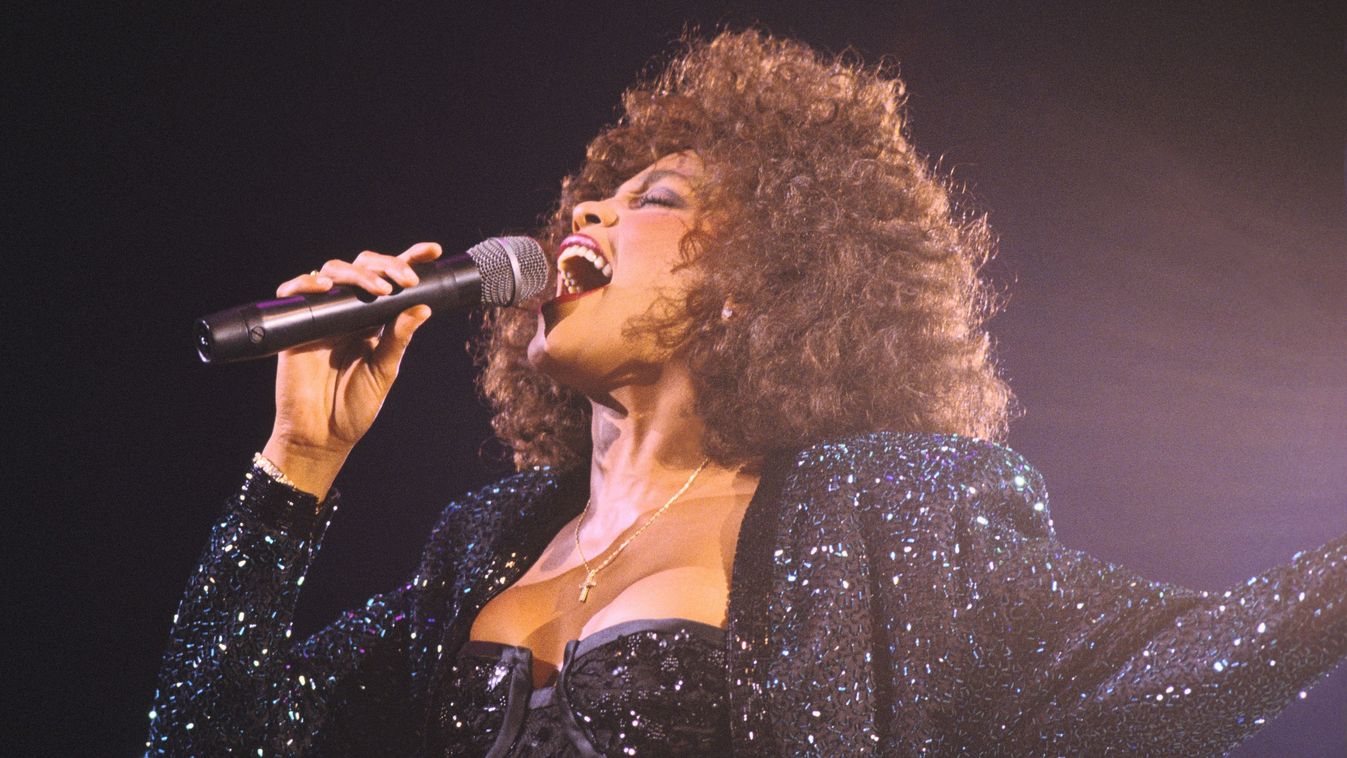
(584, 586)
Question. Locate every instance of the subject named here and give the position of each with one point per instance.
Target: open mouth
(581, 267)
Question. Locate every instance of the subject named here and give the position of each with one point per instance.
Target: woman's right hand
(329, 392)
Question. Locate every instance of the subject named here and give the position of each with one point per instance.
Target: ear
(727, 312)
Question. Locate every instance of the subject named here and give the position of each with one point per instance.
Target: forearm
(1143, 667)
(234, 619)
(1237, 658)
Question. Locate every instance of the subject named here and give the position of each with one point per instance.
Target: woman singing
(757, 511)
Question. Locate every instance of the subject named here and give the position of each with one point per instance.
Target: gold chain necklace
(590, 573)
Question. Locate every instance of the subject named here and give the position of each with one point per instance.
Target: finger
(421, 252)
(395, 269)
(311, 282)
(343, 272)
(394, 340)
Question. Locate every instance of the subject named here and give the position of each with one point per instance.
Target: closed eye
(660, 197)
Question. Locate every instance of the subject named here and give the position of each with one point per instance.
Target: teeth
(568, 279)
(576, 280)
(572, 251)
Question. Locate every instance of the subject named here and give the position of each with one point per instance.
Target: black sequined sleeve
(1071, 655)
(233, 680)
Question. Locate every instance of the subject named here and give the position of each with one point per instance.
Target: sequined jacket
(892, 594)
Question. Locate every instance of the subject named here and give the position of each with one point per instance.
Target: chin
(592, 363)
(537, 347)
(553, 358)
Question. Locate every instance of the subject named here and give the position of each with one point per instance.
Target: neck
(647, 443)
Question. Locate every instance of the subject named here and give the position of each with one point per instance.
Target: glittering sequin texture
(642, 687)
(892, 594)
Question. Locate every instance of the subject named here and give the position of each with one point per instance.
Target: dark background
(1167, 185)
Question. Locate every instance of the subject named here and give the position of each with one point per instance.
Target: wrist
(310, 469)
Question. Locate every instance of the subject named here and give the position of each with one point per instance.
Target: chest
(679, 567)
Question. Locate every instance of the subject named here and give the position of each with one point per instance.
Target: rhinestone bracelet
(271, 470)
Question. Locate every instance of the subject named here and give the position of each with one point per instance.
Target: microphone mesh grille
(532, 266)
(513, 269)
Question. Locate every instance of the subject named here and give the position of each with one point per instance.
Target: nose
(591, 212)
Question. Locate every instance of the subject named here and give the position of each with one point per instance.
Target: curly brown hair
(857, 301)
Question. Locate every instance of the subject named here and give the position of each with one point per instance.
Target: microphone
(498, 271)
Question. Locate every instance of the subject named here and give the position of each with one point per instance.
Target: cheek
(652, 273)
(654, 256)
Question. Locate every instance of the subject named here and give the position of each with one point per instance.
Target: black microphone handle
(267, 327)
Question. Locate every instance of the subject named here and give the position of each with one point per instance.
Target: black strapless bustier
(641, 687)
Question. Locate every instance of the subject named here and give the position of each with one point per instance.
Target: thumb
(394, 340)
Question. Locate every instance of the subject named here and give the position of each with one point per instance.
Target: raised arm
(232, 676)
(1077, 656)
